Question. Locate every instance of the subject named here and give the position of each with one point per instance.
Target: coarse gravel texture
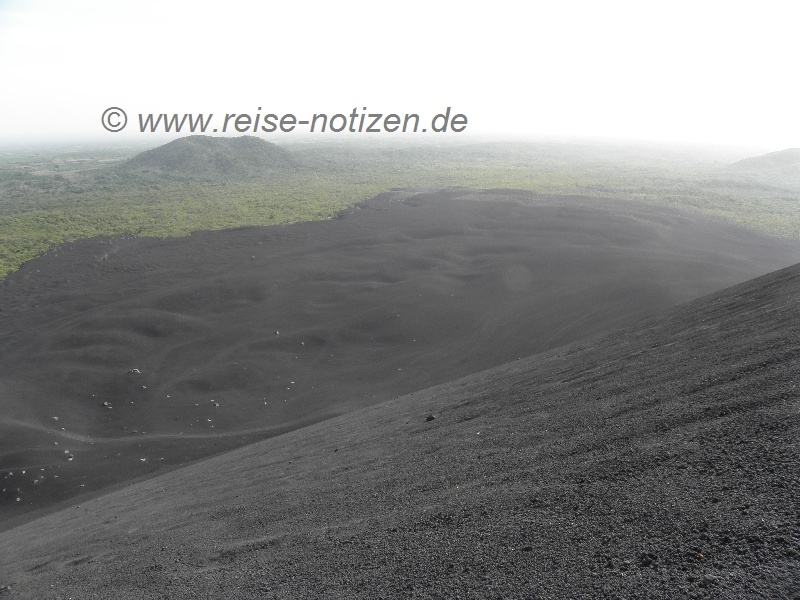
(656, 461)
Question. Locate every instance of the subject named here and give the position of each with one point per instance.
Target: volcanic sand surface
(655, 461)
(244, 334)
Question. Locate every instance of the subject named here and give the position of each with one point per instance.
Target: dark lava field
(437, 394)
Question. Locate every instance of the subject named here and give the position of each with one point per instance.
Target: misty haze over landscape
(430, 300)
(216, 389)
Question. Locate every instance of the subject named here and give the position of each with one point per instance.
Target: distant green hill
(206, 158)
(774, 160)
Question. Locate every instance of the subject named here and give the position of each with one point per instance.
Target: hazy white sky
(718, 72)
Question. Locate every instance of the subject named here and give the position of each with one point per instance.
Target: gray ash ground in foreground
(155, 353)
(655, 461)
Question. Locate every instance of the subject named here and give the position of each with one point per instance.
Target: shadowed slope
(120, 357)
(658, 461)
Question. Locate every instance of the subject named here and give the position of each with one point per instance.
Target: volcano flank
(635, 451)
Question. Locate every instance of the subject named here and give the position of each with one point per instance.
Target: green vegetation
(51, 197)
(206, 158)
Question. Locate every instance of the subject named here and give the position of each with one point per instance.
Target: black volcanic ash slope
(202, 157)
(655, 462)
(120, 357)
